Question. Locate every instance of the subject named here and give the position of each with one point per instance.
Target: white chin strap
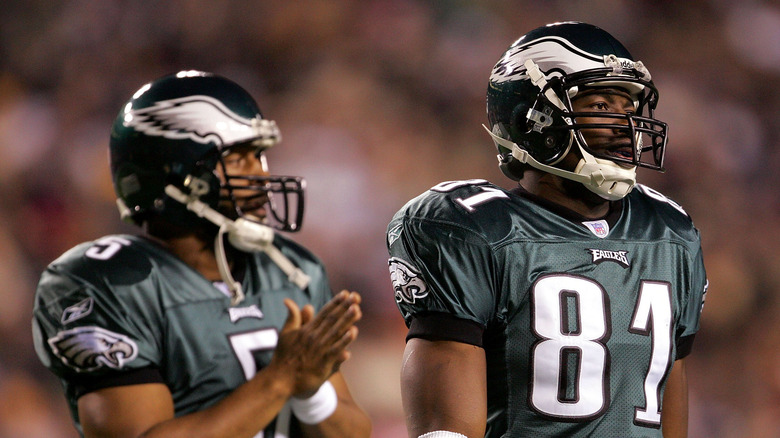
(244, 235)
(602, 177)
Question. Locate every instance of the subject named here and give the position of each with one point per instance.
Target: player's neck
(193, 251)
(566, 193)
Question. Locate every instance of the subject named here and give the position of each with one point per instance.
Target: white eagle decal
(89, 348)
(407, 283)
(554, 56)
(203, 119)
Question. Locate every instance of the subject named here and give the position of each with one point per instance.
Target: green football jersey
(123, 310)
(580, 320)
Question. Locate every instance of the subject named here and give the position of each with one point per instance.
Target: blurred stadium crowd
(377, 101)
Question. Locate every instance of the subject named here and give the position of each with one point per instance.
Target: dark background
(377, 101)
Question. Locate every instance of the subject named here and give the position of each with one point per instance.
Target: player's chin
(259, 216)
(257, 210)
(254, 208)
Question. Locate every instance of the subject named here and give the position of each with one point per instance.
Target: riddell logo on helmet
(622, 63)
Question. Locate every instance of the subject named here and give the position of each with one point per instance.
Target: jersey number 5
(244, 344)
(571, 360)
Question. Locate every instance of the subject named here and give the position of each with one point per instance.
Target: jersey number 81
(561, 347)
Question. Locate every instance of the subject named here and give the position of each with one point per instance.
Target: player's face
(609, 141)
(245, 160)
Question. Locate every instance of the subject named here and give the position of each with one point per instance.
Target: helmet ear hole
(546, 145)
(205, 184)
(547, 141)
(519, 124)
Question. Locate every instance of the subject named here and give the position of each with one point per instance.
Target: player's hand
(313, 347)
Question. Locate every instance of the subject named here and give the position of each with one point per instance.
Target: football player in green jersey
(210, 323)
(566, 306)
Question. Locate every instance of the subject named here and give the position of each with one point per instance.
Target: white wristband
(442, 434)
(316, 408)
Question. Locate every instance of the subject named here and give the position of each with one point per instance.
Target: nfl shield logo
(599, 228)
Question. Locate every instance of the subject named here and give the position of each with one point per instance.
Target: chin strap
(236, 291)
(602, 177)
(244, 235)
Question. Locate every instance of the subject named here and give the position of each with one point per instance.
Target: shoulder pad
(474, 205)
(115, 259)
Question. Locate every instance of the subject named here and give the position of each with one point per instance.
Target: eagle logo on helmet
(202, 119)
(90, 348)
(554, 56)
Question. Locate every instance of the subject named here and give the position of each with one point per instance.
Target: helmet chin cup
(249, 236)
(606, 179)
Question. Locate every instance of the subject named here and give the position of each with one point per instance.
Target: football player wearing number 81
(566, 306)
(210, 323)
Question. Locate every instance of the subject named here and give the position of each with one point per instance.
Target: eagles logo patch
(602, 255)
(407, 283)
(89, 348)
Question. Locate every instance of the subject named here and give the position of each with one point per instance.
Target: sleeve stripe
(445, 327)
(92, 383)
(684, 346)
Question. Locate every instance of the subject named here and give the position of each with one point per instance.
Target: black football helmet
(530, 111)
(175, 131)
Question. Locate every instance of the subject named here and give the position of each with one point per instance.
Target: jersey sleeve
(87, 334)
(441, 273)
(693, 284)
(692, 306)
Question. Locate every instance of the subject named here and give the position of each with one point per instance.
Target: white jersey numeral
(107, 247)
(244, 344)
(550, 297)
(655, 194)
(488, 193)
(470, 203)
(449, 186)
(570, 375)
(653, 312)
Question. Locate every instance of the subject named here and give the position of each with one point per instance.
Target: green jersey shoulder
(480, 208)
